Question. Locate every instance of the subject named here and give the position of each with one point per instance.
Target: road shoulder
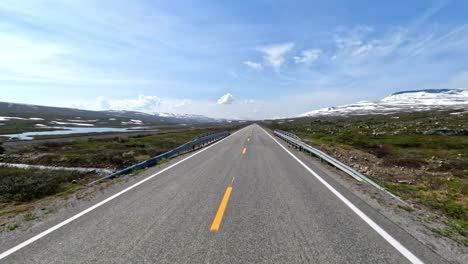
(384, 210)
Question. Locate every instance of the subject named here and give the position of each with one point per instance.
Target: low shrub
(27, 184)
(404, 161)
(352, 137)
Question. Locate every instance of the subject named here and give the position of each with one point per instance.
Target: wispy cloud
(142, 103)
(23, 57)
(274, 55)
(254, 65)
(308, 56)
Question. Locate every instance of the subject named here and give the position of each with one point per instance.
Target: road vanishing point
(248, 198)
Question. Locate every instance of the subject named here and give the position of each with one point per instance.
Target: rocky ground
(373, 167)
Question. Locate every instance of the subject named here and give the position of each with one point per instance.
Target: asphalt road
(242, 200)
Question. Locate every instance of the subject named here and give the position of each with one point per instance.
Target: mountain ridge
(403, 101)
(40, 111)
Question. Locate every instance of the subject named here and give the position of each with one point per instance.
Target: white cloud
(308, 56)
(143, 103)
(226, 99)
(254, 65)
(242, 108)
(274, 54)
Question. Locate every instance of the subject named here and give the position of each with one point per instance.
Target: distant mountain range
(405, 101)
(51, 115)
(198, 118)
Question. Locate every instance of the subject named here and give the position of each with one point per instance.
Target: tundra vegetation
(21, 188)
(422, 156)
(115, 152)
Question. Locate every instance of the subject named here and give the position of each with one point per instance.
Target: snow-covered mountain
(406, 101)
(17, 111)
(198, 118)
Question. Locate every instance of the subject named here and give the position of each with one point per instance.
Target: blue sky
(235, 59)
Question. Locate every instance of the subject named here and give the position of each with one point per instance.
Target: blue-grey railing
(192, 145)
(297, 142)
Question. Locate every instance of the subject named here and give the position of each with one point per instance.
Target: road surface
(243, 200)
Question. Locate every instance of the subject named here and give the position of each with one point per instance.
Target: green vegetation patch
(450, 201)
(116, 152)
(22, 185)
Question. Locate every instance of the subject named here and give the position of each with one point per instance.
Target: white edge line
(397, 245)
(71, 219)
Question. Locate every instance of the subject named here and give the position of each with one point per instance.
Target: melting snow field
(7, 118)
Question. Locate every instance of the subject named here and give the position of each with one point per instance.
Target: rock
(404, 182)
(447, 132)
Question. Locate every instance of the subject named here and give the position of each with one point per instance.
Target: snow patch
(82, 121)
(69, 123)
(133, 122)
(7, 118)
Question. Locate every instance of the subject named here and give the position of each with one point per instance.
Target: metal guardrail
(298, 143)
(192, 145)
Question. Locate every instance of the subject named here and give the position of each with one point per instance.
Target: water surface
(67, 131)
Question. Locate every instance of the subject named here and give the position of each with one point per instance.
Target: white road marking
(71, 219)
(397, 245)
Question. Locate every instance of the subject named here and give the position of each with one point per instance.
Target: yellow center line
(244, 150)
(222, 207)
